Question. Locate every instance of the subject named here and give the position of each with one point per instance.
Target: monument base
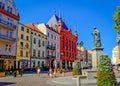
(96, 52)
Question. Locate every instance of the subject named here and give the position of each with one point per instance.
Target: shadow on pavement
(6, 83)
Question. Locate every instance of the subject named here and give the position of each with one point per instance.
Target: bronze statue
(96, 35)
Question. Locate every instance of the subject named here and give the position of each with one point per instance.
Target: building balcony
(51, 47)
(50, 56)
(4, 37)
(6, 24)
(5, 12)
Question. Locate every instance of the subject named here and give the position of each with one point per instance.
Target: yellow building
(115, 55)
(23, 46)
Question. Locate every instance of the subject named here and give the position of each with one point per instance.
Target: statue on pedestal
(96, 36)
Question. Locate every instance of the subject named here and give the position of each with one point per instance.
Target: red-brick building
(68, 42)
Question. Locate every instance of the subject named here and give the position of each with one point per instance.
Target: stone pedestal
(96, 52)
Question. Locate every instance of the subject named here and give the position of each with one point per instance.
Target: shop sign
(7, 57)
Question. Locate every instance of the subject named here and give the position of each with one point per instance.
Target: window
(10, 10)
(22, 36)
(27, 45)
(22, 28)
(21, 52)
(48, 43)
(21, 44)
(26, 53)
(39, 53)
(57, 46)
(51, 36)
(9, 34)
(54, 37)
(39, 35)
(8, 48)
(34, 52)
(43, 44)
(48, 34)
(58, 55)
(27, 38)
(51, 44)
(0, 4)
(43, 54)
(48, 53)
(39, 63)
(3, 6)
(34, 41)
(27, 30)
(39, 42)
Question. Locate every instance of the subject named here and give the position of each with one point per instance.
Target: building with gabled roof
(53, 44)
(68, 41)
(38, 47)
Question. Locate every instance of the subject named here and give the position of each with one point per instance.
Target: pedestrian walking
(50, 72)
(21, 71)
(38, 71)
(54, 72)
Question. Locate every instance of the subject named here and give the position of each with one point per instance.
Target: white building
(53, 44)
(38, 47)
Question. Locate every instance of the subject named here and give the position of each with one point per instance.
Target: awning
(25, 60)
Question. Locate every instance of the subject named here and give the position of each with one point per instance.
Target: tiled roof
(33, 27)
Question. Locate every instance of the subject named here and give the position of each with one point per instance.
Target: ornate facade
(68, 41)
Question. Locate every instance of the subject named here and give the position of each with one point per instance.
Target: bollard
(78, 81)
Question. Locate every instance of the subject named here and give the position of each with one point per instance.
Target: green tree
(105, 73)
(116, 17)
(76, 68)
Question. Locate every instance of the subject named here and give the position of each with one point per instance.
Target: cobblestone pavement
(29, 80)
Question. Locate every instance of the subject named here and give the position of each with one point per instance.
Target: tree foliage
(116, 17)
(105, 73)
(76, 68)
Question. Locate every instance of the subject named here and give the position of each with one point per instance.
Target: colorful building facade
(68, 41)
(53, 45)
(38, 47)
(82, 55)
(115, 55)
(23, 46)
(9, 18)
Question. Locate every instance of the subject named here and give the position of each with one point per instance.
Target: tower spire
(54, 12)
(59, 15)
(75, 29)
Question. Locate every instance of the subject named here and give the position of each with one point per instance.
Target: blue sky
(85, 14)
